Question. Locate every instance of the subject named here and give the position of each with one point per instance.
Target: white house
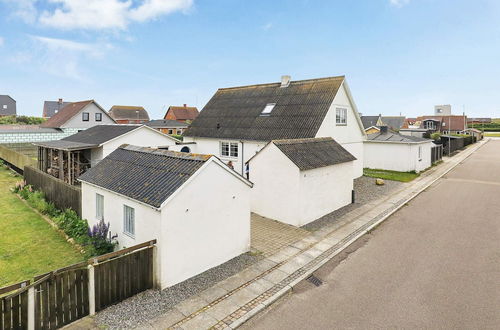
(388, 150)
(79, 116)
(196, 208)
(237, 122)
(298, 181)
(87, 148)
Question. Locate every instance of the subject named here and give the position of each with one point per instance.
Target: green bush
(178, 137)
(25, 120)
(436, 136)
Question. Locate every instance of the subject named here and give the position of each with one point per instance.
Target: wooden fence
(65, 295)
(436, 153)
(60, 193)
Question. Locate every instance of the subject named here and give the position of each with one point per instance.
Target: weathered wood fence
(60, 193)
(65, 295)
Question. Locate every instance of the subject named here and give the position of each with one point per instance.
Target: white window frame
(129, 221)
(341, 116)
(5, 107)
(99, 206)
(231, 153)
(98, 115)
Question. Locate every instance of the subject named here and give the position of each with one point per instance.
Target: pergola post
(61, 165)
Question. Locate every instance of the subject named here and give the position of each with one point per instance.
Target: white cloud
(24, 9)
(107, 14)
(399, 3)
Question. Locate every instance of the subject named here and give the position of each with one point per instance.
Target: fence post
(31, 308)
(156, 268)
(91, 289)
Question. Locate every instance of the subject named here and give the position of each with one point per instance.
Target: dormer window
(267, 110)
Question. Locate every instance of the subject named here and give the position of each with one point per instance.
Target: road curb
(266, 304)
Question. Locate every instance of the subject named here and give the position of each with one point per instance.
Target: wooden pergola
(64, 160)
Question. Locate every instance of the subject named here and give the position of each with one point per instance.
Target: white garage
(298, 181)
(388, 150)
(196, 208)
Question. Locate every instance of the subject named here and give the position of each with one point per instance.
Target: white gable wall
(324, 190)
(351, 135)
(206, 224)
(402, 157)
(275, 193)
(77, 122)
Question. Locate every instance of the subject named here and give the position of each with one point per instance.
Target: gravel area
(152, 303)
(366, 191)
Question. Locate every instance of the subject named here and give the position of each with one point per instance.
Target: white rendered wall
(205, 225)
(77, 122)
(351, 135)
(275, 193)
(401, 157)
(324, 190)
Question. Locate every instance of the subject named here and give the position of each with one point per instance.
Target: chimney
(60, 101)
(185, 105)
(285, 80)
(383, 130)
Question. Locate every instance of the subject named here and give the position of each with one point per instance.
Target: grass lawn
(495, 134)
(28, 244)
(390, 175)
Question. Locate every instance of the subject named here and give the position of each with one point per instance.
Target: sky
(398, 56)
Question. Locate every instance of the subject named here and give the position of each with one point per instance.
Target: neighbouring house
(478, 121)
(71, 156)
(443, 124)
(477, 134)
(124, 114)
(196, 208)
(388, 150)
(78, 116)
(298, 181)
(372, 123)
(237, 122)
(7, 106)
(183, 114)
(50, 108)
(168, 126)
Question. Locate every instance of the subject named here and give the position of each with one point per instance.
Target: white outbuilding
(196, 207)
(298, 181)
(388, 150)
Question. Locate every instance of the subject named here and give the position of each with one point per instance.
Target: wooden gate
(61, 297)
(14, 307)
(118, 278)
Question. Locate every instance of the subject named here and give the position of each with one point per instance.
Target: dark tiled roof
(236, 112)
(65, 145)
(100, 133)
(50, 108)
(393, 122)
(182, 113)
(395, 137)
(165, 123)
(146, 175)
(65, 114)
(369, 121)
(313, 153)
(124, 112)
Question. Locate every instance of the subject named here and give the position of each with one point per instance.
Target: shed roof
(395, 137)
(128, 112)
(313, 153)
(236, 112)
(147, 175)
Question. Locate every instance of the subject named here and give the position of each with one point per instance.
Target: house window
(179, 132)
(5, 106)
(99, 207)
(128, 220)
(267, 109)
(98, 116)
(341, 116)
(429, 125)
(229, 149)
(170, 131)
(85, 116)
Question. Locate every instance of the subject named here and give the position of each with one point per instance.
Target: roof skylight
(268, 108)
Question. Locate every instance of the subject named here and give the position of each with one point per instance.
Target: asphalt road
(435, 264)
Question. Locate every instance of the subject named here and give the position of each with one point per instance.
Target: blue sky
(399, 56)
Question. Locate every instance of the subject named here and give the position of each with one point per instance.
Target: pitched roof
(236, 112)
(50, 108)
(89, 138)
(183, 113)
(369, 121)
(165, 123)
(66, 113)
(393, 122)
(147, 175)
(313, 153)
(457, 122)
(395, 137)
(125, 112)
